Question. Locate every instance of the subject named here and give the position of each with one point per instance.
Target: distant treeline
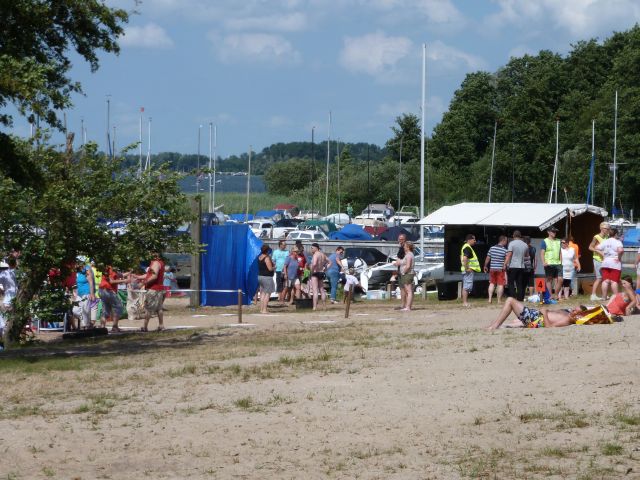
(261, 161)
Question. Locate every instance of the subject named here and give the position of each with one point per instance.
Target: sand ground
(421, 395)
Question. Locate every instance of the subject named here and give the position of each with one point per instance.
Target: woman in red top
(623, 303)
(111, 304)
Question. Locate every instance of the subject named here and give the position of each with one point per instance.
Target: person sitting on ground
(623, 303)
(533, 318)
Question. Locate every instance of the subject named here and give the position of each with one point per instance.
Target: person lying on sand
(528, 317)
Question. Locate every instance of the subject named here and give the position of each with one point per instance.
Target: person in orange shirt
(574, 280)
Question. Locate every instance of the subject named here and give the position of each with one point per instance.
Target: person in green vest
(350, 211)
(469, 265)
(551, 256)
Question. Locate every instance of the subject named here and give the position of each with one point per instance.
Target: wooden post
(196, 231)
(389, 291)
(459, 290)
(239, 306)
(424, 290)
(349, 297)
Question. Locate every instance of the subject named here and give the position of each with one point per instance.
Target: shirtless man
(531, 316)
(319, 264)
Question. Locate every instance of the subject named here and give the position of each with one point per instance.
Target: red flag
(141, 109)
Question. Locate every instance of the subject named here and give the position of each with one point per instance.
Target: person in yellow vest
(551, 256)
(469, 264)
(597, 258)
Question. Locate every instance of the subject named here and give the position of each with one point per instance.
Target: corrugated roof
(539, 215)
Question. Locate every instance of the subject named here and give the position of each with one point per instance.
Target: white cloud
(374, 53)
(148, 36)
(293, 22)
(437, 12)
(451, 58)
(580, 18)
(397, 108)
(278, 121)
(261, 47)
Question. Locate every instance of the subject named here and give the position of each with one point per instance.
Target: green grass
(611, 449)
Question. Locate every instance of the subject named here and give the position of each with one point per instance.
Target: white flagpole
(248, 184)
(615, 148)
(215, 148)
(424, 82)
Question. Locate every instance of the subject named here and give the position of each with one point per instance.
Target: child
(351, 282)
(570, 265)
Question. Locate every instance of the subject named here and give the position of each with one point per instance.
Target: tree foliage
(34, 51)
(526, 97)
(67, 213)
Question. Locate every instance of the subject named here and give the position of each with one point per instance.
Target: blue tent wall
(229, 262)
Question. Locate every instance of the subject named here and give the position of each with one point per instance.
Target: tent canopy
(538, 215)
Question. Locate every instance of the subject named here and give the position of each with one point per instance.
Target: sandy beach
(422, 395)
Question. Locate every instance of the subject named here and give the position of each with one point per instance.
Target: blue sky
(268, 71)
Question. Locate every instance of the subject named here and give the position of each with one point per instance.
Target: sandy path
(381, 395)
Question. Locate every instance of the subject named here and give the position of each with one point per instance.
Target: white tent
(539, 215)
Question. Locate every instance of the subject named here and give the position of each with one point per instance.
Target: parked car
(261, 228)
(283, 227)
(307, 235)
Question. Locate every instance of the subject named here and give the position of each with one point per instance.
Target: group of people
(298, 275)
(514, 263)
(92, 287)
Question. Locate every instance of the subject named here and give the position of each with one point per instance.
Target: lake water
(224, 183)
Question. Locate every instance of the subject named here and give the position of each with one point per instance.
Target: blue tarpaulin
(241, 217)
(229, 262)
(350, 232)
(266, 213)
(631, 238)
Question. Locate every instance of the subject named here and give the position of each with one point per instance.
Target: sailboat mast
(326, 193)
(554, 181)
(148, 163)
(210, 167)
(215, 153)
(140, 142)
(338, 160)
(493, 157)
